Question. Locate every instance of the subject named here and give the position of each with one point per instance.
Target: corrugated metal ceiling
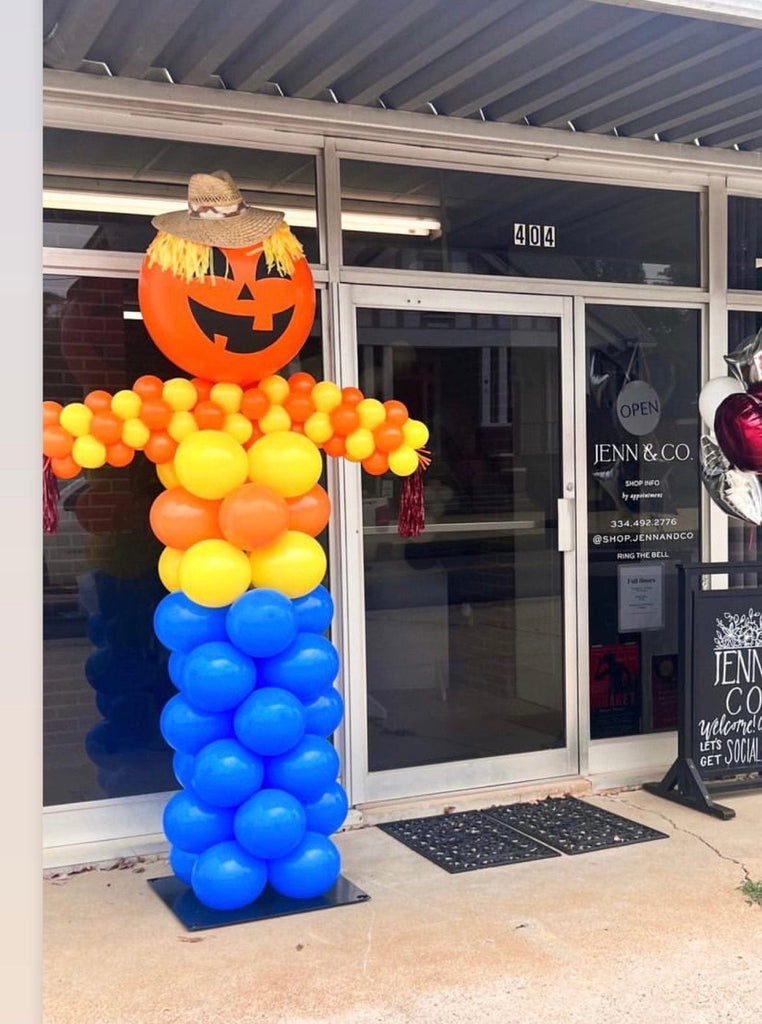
(578, 65)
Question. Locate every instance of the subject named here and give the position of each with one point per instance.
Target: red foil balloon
(738, 426)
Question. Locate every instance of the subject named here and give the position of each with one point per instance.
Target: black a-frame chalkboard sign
(720, 689)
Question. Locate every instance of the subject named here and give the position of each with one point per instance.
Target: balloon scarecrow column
(227, 295)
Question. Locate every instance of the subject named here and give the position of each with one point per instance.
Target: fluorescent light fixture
(758, 263)
(151, 206)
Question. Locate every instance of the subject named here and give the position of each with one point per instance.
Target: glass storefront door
(460, 643)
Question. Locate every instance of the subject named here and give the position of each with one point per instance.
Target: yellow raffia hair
(194, 259)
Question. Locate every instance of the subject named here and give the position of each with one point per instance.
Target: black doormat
(573, 826)
(516, 833)
(192, 913)
(466, 841)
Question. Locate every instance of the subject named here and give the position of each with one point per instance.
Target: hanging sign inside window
(535, 235)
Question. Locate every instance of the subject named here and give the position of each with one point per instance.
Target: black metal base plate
(195, 916)
(573, 826)
(466, 841)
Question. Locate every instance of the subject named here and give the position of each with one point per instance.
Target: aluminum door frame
(347, 576)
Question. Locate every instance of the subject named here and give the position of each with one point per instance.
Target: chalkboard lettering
(727, 682)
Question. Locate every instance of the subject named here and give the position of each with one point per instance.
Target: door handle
(566, 519)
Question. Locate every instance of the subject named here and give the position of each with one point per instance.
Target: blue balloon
(181, 624)
(307, 667)
(226, 773)
(182, 766)
(270, 824)
(175, 667)
(324, 713)
(306, 770)
(270, 721)
(187, 729)
(328, 812)
(261, 622)
(194, 825)
(314, 611)
(309, 870)
(225, 877)
(217, 677)
(96, 630)
(182, 863)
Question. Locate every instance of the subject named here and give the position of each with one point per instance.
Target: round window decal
(638, 408)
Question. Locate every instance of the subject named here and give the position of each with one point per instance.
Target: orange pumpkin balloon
(239, 328)
(180, 519)
(252, 516)
(310, 512)
(119, 454)
(376, 464)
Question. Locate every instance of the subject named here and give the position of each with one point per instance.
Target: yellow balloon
(318, 427)
(76, 418)
(294, 564)
(135, 434)
(88, 452)
(166, 473)
(276, 418)
(403, 461)
(227, 396)
(179, 394)
(289, 463)
(360, 444)
(275, 387)
(181, 424)
(238, 427)
(126, 404)
(210, 464)
(326, 395)
(169, 567)
(416, 434)
(371, 413)
(214, 573)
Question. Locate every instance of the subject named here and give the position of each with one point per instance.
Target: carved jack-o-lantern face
(240, 324)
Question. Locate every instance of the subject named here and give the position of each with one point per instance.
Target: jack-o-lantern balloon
(225, 290)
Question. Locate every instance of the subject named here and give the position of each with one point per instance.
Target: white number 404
(535, 235)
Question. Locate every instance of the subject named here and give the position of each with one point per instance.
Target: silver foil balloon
(748, 357)
(737, 492)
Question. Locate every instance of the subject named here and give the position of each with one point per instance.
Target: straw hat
(217, 215)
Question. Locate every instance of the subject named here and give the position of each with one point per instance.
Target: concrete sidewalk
(652, 933)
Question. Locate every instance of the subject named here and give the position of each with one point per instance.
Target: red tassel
(412, 517)
(49, 499)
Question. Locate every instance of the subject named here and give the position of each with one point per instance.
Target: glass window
(118, 165)
(642, 367)
(744, 243)
(104, 673)
(423, 218)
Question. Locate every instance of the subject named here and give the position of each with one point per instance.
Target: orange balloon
(256, 433)
(56, 442)
(180, 519)
(160, 448)
(51, 411)
(299, 407)
(396, 412)
(64, 469)
(155, 413)
(98, 401)
(203, 388)
(376, 464)
(310, 512)
(299, 382)
(209, 416)
(148, 386)
(254, 404)
(252, 516)
(388, 437)
(344, 419)
(106, 426)
(335, 446)
(351, 396)
(119, 454)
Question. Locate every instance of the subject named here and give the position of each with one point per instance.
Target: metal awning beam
(740, 12)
